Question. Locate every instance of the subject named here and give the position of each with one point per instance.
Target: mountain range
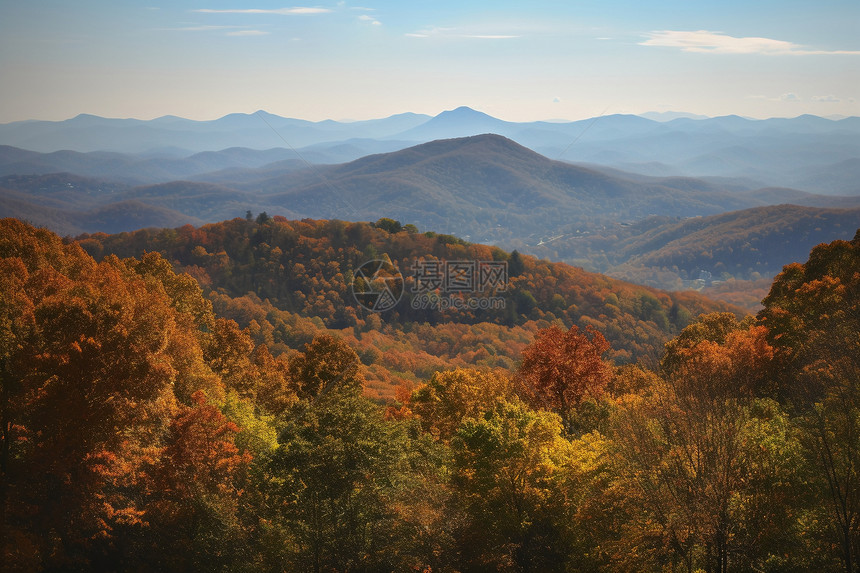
(661, 231)
(613, 194)
(484, 188)
(810, 153)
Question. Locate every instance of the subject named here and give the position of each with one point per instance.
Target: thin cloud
(248, 33)
(370, 20)
(706, 42)
(489, 36)
(281, 11)
(826, 99)
(431, 33)
(786, 97)
(200, 28)
(453, 33)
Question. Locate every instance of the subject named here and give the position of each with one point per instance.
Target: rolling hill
(490, 189)
(746, 248)
(287, 280)
(484, 188)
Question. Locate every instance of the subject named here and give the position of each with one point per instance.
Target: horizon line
(698, 117)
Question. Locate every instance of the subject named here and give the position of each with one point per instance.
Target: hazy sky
(519, 61)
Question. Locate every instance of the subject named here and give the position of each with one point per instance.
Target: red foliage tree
(562, 368)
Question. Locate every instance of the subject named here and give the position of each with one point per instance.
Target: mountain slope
(670, 252)
(306, 268)
(489, 188)
(759, 240)
(113, 218)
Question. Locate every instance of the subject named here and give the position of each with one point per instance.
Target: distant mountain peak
(485, 146)
(460, 122)
(465, 112)
(464, 109)
(265, 113)
(664, 116)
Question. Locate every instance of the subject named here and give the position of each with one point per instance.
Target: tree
(107, 438)
(273, 392)
(713, 327)
(196, 492)
(98, 359)
(561, 369)
(17, 326)
(229, 355)
(714, 466)
(327, 365)
(389, 225)
(508, 471)
(813, 316)
(330, 482)
(453, 395)
(516, 267)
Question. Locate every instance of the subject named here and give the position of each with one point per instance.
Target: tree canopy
(153, 420)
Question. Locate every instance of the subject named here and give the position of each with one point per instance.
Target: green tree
(813, 316)
(389, 225)
(453, 395)
(327, 365)
(516, 266)
(331, 483)
(508, 470)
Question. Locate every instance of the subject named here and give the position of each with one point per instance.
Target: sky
(343, 60)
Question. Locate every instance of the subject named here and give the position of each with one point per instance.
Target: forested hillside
(678, 252)
(141, 428)
(741, 244)
(286, 280)
(665, 232)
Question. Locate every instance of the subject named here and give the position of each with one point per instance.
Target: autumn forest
(213, 398)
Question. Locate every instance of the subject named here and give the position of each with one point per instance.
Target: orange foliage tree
(563, 368)
(813, 317)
